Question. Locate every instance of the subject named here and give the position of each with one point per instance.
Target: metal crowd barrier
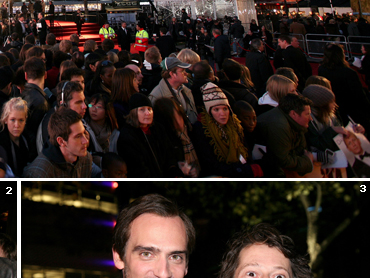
(315, 43)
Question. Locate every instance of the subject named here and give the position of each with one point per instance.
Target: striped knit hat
(213, 96)
(319, 95)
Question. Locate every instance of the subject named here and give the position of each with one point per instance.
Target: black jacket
(38, 105)
(222, 49)
(147, 156)
(124, 38)
(237, 30)
(166, 45)
(260, 69)
(151, 78)
(239, 92)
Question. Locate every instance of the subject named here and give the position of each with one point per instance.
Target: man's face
(156, 248)
(39, 16)
(77, 103)
(353, 144)
(124, 25)
(260, 260)
(180, 76)
(282, 44)
(138, 74)
(79, 79)
(77, 143)
(304, 118)
(295, 42)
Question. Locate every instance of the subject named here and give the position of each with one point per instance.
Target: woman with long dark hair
(346, 85)
(124, 85)
(102, 81)
(144, 145)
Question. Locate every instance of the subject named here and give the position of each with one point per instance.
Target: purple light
(99, 222)
(102, 262)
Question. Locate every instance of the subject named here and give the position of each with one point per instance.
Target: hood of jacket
(267, 100)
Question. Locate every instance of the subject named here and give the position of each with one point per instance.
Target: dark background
(68, 237)
(8, 209)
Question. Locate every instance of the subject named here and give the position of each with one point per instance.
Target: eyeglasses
(97, 107)
(106, 63)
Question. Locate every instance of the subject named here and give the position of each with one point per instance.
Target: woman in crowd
(188, 56)
(144, 145)
(277, 86)
(124, 85)
(12, 123)
(324, 125)
(102, 81)
(365, 63)
(346, 84)
(266, 37)
(174, 119)
(218, 138)
(103, 125)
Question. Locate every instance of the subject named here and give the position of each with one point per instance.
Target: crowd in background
(197, 112)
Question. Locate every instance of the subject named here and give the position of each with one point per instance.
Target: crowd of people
(108, 113)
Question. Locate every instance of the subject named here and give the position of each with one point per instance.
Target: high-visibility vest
(104, 32)
(142, 40)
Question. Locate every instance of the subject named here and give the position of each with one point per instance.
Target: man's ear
(25, 76)
(60, 141)
(186, 270)
(293, 114)
(117, 260)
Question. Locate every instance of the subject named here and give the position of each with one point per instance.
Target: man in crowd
(222, 48)
(42, 28)
(171, 86)
(282, 130)
(107, 32)
(142, 39)
(237, 30)
(65, 155)
(258, 65)
(295, 59)
(165, 43)
(153, 237)
(124, 37)
(37, 100)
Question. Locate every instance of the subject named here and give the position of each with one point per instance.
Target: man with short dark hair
(65, 155)
(282, 130)
(41, 28)
(37, 100)
(295, 59)
(165, 43)
(153, 237)
(222, 48)
(361, 163)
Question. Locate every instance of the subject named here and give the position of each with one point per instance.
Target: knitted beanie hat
(319, 95)
(139, 100)
(213, 96)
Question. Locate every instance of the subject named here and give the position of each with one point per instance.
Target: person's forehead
(76, 128)
(77, 77)
(165, 233)
(78, 95)
(263, 256)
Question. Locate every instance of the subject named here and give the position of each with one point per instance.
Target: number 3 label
(362, 188)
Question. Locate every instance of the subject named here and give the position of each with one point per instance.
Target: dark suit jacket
(295, 59)
(260, 69)
(166, 45)
(222, 49)
(124, 40)
(361, 169)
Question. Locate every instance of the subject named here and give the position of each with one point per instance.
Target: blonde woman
(188, 56)
(12, 123)
(277, 87)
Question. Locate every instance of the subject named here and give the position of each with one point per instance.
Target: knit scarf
(226, 140)
(189, 151)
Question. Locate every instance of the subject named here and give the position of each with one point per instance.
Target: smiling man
(65, 154)
(152, 238)
(263, 252)
(282, 130)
